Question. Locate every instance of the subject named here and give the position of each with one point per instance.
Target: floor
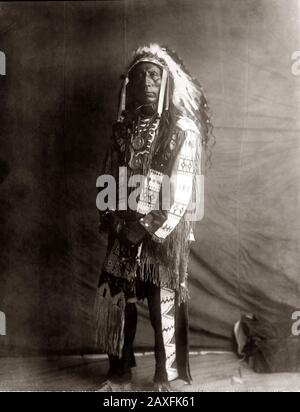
(210, 371)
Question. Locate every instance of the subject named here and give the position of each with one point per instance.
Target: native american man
(162, 127)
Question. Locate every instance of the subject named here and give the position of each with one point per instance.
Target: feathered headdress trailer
(181, 95)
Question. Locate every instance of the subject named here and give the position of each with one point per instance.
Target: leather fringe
(110, 319)
(161, 276)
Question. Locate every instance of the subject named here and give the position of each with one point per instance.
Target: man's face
(145, 80)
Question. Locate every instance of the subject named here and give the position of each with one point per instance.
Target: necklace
(143, 135)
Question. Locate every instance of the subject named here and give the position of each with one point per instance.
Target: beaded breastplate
(142, 137)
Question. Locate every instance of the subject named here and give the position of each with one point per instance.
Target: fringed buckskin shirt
(162, 258)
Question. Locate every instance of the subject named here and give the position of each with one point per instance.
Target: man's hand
(128, 231)
(134, 232)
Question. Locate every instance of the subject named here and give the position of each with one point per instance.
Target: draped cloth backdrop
(58, 101)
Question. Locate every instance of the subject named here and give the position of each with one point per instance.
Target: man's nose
(147, 80)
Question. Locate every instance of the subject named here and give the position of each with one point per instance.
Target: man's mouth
(149, 94)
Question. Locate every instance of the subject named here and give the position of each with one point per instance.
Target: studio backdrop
(58, 100)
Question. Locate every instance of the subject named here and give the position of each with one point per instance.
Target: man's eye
(140, 76)
(136, 78)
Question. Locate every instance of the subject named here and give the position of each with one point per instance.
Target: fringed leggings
(161, 303)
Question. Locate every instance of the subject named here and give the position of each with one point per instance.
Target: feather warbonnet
(181, 95)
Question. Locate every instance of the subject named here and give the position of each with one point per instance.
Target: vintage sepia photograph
(150, 198)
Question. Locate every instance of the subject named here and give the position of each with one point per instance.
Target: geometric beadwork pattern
(112, 261)
(182, 181)
(150, 192)
(167, 303)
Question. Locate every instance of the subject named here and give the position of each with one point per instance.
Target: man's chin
(150, 101)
